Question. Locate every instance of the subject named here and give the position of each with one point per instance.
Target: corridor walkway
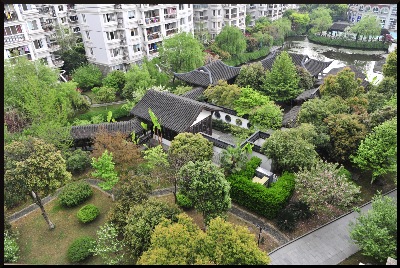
(329, 244)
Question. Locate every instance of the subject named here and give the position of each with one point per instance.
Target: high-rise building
(387, 14)
(117, 35)
(270, 11)
(212, 18)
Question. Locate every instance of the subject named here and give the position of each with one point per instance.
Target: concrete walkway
(328, 245)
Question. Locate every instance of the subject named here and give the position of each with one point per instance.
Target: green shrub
(345, 172)
(116, 111)
(220, 125)
(246, 56)
(286, 220)
(11, 248)
(250, 169)
(264, 201)
(183, 201)
(88, 213)
(75, 193)
(78, 161)
(342, 42)
(81, 249)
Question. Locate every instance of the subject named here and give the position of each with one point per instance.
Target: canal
(369, 61)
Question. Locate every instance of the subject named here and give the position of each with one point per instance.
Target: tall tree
(251, 75)
(39, 167)
(137, 79)
(320, 19)
(104, 169)
(343, 84)
(74, 58)
(181, 53)
(369, 25)
(222, 94)
(205, 185)
(87, 76)
(234, 159)
(282, 82)
(187, 147)
(378, 151)
(306, 80)
(115, 79)
(324, 186)
(66, 39)
(390, 67)
(300, 22)
(375, 231)
(107, 245)
(232, 40)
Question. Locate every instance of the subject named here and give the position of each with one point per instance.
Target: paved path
(328, 245)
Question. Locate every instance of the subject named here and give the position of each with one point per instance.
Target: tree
(141, 221)
(181, 53)
(346, 132)
(251, 75)
(205, 185)
(87, 76)
(369, 25)
(378, 151)
(156, 162)
(187, 147)
(234, 159)
(375, 231)
(154, 67)
(292, 148)
(137, 79)
(74, 58)
(39, 167)
(115, 79)
(343, 84)
(222, 94)
(182, 242)
(324, 186)
(300, 22)
(306, 80)
(231, 40)
(104, 169)
(104, 94)
(282, 82)
(180, 90)
(11, 248)
(79, 103)
(107, 245)
(65, 37)
(320, 19)
(389, 69)
(126, 154)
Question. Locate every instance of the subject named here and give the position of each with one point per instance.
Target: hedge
(247, 56)
(264, 201)
(88, 213)
(348, 43)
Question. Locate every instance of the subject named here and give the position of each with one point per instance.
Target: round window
(217, 114)
(238, 122)
(227, 118)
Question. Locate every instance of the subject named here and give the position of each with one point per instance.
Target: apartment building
(117, 35)
(387, 14)
(212, 18)
(270, 11)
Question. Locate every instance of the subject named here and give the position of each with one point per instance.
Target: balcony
(10, 16)
(14, 39)
(152, 20)
(170, 16)
(252, 7)
(171, 31)
(200, 18)
(153, 36)
(234, 15)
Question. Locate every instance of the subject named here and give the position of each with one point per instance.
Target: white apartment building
(213, 18)
(387, 14)
(270, 11)
(27, 34)
(117, 35)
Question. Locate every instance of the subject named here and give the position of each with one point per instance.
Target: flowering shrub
(11, 248)
(325, 185)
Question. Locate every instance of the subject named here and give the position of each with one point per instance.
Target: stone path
(328, 245)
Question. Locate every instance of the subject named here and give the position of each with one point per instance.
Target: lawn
(97, 110)
(39, 245)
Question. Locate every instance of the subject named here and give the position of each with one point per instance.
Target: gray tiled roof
(88, 131)
(174, 112)
(339, 26)
(307, 94)
(290, 118)
(358, 74)
(209, 74)
(194, 93)
(314, 67)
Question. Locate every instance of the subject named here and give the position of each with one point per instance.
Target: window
(214, 24)
(109, 17)
(212, 36)
(375, 9)
(131, 14)
(182, 21)
(26, 7)
(367, 8)
(238, 122)
(32, 25)
(134, 32)
(219, 24)
(12, 30)
(214, 12)
(217, 114)
(38, 44)
(189, 6)
(181, 7)
(114, 52)
(83, 18)
(63, 20)
(87, 35)
(136, 48)
(385, 10)
(60, 8)
(111, 35)
(227, 118)
(91, 51)
(219, 12)
(190, 18)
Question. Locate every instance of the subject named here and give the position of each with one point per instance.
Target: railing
(10, 16)
(14, 38)
(234, 15)
(217, 143)
(152, 36)
(171, 31)
(152, 20)
(170, 16)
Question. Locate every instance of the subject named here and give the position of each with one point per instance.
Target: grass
(92, 96)
(269, 242)
(39, 245)
(97, 110)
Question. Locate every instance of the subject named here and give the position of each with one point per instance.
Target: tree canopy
(320, 19)
(251, 75)
(369, 25)
(222, 94)
(87, 76)
(389, 69)
(181, 53)
(343, 84)
(137, 79)
(232, 40)
(282, 82)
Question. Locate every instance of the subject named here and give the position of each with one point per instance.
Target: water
(369, 61)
